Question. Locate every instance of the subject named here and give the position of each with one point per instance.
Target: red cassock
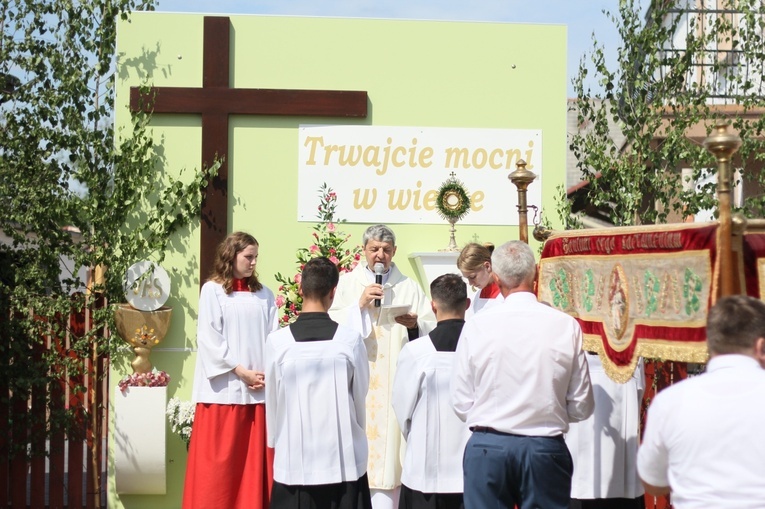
(229, 465)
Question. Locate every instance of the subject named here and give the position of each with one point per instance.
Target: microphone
(379, 268)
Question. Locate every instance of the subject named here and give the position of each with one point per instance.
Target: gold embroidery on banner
(653, 290)
(640, 304)
(652, 286)
(668, 295)
(605, 244)
(577, 245)
(761, 277)
(656, 241)
(588, 290)
(664, 282)
(575, 286)
(600, 292)
(693, 286)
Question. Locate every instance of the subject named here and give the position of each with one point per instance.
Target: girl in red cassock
(229, 465)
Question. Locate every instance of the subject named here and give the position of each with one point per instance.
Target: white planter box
(139, 436)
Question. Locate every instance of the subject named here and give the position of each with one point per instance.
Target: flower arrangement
(181, 417)
(151, 379)
(328, 242)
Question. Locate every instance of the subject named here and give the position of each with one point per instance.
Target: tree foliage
(676, 69)
(72, 190)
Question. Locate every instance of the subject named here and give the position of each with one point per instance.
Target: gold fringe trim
(673, 351)
(648, 349)
(619, 374)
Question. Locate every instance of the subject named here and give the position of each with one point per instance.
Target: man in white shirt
(520, 378)
(703, 440)
(435, 436)
(354, 306)
(318, 376)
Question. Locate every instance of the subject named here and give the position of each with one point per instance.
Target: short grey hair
(514, 264)
(734, 324)
(380, 233)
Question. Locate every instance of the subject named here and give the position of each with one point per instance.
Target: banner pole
(723, 144)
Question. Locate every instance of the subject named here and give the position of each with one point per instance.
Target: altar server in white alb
(354, 305)
(435, 436)
(604, 446)
(317, 377)
(228, 463)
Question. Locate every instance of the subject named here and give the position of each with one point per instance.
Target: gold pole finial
(723, 144)
(522, 177)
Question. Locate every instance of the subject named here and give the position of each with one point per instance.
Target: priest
(368, 299)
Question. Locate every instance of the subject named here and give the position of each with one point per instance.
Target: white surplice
(435, 436)
(315, 394)
(604, 446)
(478, 303)
(231, 330)
(383, 345)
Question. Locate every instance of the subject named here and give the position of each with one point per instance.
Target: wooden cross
(215, 101)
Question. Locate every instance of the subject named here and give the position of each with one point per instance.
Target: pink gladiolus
(334, 260)
(330, 227)
(314, 248)
(279, 301)
(298, 278)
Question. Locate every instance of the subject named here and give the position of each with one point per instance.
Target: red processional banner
(753, 254)
(637, 291)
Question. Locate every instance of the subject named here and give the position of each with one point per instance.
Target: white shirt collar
(520, 297)
(732, 360)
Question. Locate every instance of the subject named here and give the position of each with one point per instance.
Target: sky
(582, 17)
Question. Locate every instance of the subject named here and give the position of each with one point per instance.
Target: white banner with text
(392, 174)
